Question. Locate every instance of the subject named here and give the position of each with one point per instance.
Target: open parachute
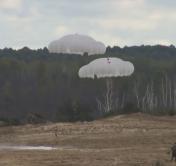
(106, 67)
(77, 44)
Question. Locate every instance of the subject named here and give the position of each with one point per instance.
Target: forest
(37, 86)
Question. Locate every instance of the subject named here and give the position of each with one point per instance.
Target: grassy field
(125, 140)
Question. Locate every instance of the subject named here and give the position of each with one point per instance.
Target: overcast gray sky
(34, 23)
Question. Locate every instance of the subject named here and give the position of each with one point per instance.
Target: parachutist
(108, 60)
(56, 132)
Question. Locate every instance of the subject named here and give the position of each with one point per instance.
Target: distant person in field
(173, 152)
(56, 131)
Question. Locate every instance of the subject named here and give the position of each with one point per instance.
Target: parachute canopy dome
(106, 67)
(77, 44)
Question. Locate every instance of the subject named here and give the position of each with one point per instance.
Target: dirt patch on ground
(125, 140)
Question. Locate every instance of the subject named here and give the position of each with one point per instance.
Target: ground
(125, 140)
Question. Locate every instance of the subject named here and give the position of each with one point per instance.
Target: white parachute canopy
(106, 67)
(77, 44)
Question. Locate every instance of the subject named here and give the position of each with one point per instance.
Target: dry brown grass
(126, 140)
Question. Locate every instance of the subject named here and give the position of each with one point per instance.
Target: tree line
(37, 86)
